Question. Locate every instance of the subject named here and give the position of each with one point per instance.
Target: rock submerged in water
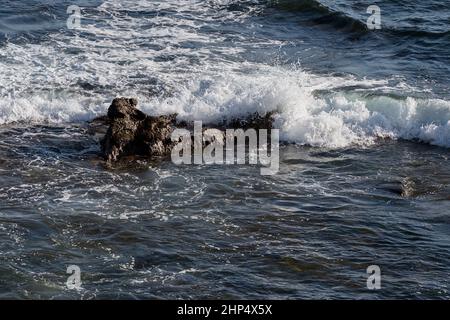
(131, 132)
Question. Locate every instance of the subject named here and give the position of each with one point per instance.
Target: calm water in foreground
(364, 175)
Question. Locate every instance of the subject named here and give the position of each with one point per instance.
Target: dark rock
(254, 121)
(133, 133)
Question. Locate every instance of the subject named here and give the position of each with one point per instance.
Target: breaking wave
(311, 110)
(175, 56)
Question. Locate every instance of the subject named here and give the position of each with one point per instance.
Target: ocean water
(364, 117)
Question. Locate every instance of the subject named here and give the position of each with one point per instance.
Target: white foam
(208, 79)
(40, 109)
(334, 119)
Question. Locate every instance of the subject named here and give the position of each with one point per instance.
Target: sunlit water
(364, 175)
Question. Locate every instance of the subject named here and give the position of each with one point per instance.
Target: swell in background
(333, 82)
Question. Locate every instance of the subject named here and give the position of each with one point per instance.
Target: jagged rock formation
(133, 133)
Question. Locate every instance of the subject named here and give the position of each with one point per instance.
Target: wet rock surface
(133, 133)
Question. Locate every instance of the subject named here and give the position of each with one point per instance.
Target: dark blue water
(364, 175)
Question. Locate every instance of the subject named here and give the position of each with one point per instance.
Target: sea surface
(364, 179)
